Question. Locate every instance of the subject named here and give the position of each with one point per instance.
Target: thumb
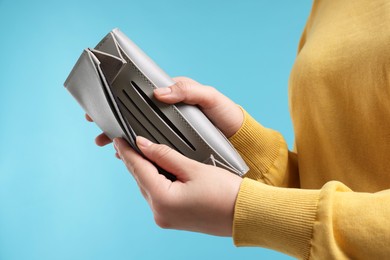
(190, 92)
(168, 159)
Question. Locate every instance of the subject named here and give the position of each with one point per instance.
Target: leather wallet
(114, 84)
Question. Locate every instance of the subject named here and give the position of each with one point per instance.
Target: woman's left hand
(202, 198)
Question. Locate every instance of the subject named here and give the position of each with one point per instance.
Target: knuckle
(133, 167)
(212, 93)
(187, 80)
(162, 222)
(182, 88)
(161, 210)
(211, 90)
(181, 78)
(129, 165)
(161, 152)
(209, 97)
(162, 205)
(143, 192)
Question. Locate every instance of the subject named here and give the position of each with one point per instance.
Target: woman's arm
(266, 153)
(331, 223)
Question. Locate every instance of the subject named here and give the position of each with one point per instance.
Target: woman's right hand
(223, 112)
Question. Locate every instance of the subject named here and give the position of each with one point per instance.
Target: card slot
(160, 118)
(137, 127)
(135, 124)
(148, 125)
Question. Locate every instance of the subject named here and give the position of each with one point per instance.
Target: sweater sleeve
(265, 152)
(330, 223)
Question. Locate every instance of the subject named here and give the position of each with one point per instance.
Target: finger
(143, 171)
(222, 111)
(88, 118)
(168, 159)
(143, 192)
(102, 140)
(190, 92)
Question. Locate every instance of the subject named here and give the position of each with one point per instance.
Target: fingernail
(141, 141)
(163, 91)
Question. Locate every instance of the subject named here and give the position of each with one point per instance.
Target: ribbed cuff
(260, 147)
(281, 219)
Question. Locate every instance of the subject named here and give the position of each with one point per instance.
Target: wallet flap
(86, 87)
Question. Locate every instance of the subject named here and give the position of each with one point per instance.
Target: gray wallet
(114, 84)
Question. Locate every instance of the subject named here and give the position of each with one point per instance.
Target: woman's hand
(223, 112)
(202, 198)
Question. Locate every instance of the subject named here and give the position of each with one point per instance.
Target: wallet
(114, 84)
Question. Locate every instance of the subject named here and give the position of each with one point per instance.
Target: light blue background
(62, 197)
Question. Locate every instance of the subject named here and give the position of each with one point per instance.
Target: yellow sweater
(330, 197)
